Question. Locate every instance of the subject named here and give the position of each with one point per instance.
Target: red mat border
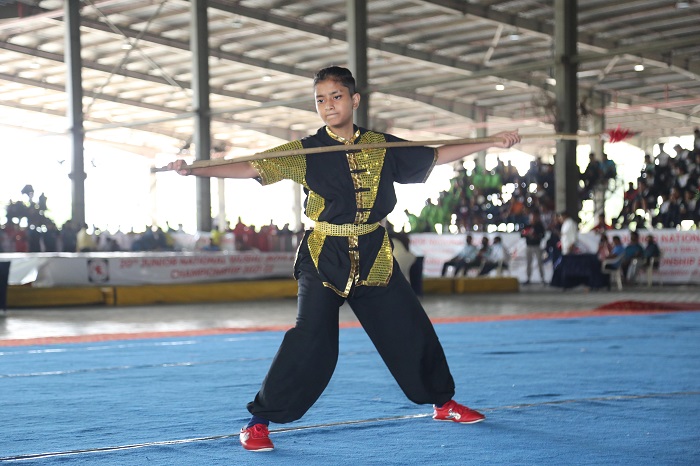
(237, 330)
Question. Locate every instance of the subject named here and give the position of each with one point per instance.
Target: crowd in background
(29, 230)
(666, 194)
(481, 198)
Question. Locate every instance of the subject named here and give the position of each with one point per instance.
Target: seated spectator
(602, 226)
(631, 201)
(484, 250)
(211, 246)
(241, 245)
(682, 180)
(604, 248)
(652, 251)
(616, 254)
(633, 251)
(661, 218)
(497, 257)
(690, 210)
(675, 204)
(466, 259)
(647, 193)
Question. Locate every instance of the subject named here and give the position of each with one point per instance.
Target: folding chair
(615, 274)
(654, 263)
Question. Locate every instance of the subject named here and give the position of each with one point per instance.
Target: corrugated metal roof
(433, 67)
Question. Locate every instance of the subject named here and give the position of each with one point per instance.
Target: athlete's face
(335, 105)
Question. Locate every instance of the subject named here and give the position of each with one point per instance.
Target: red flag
(618, 134)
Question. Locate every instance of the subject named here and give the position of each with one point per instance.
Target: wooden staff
(358, 147)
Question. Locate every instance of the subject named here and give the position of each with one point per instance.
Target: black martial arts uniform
(348, 256)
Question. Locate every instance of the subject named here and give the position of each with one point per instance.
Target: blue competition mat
(621, 390)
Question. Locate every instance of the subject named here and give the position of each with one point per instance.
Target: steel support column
(74, 92)
(199, 46)
(480, 118)
(566, 172)
(357, 55)
(597, 126)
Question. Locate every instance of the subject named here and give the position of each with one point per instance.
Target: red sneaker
(256, 438)
(455, 412)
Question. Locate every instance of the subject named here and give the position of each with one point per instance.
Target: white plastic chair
(653, 261)
(615, 274)
(502, 268)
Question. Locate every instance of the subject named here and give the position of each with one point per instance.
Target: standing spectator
(69, 237)
(20, 240)
(662, 158)
(242, 234)
(552, 246)
(608, 168)
(534, 234)
(42, 203)
(694, 166)
(569, 232)
(591, 175)
(85, 242)
(50, 237)
(34, 238)
(649, 167)
(681, 153)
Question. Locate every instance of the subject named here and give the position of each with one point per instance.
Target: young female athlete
(347, 256)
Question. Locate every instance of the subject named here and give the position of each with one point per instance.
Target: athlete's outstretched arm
(229, 170)
(452, 153)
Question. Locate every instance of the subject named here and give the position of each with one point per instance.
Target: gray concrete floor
(58, 322)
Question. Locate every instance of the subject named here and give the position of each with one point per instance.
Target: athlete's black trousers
(396, 323)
